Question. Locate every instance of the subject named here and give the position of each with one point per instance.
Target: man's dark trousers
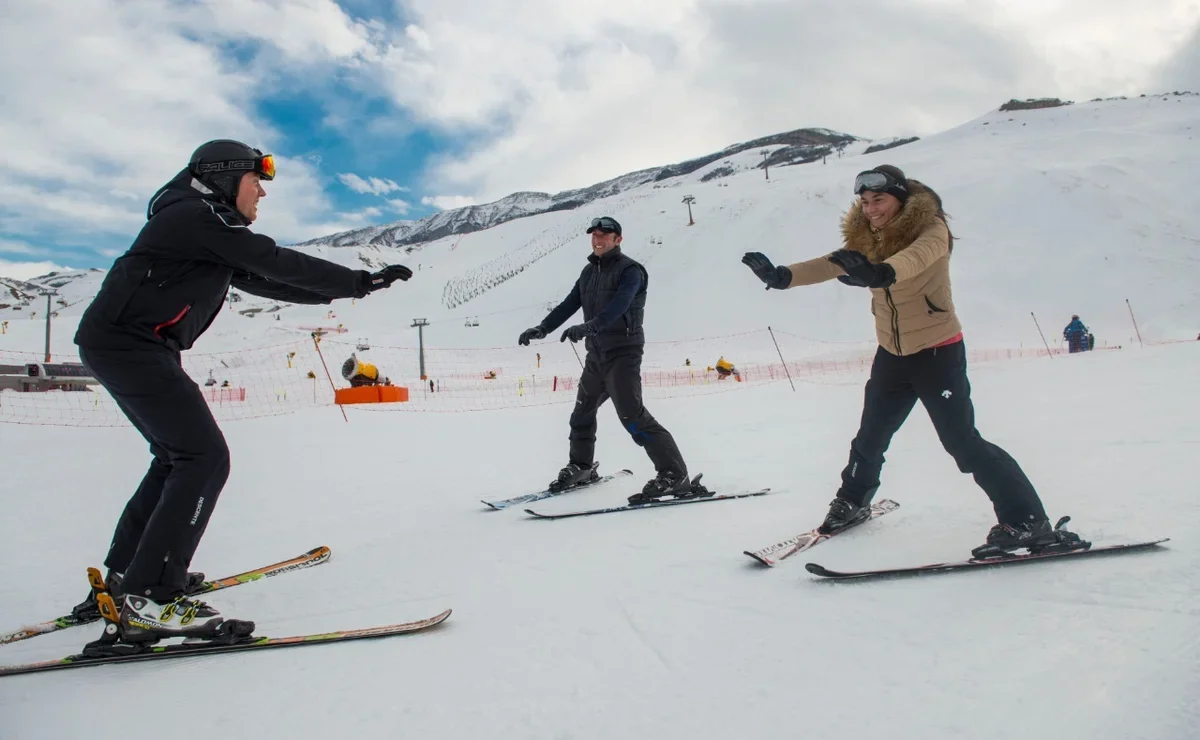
(938, 378)
(162, 523)
(617, 374)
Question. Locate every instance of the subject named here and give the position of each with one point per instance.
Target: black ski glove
(775, 277)
(579, 331)
(385, 277)
(860, 272)
(536, 332)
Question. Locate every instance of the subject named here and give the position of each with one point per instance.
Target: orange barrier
(371, 394)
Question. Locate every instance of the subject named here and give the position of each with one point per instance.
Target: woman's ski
(978, 564)
(772, 554)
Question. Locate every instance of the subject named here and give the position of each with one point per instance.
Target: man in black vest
(611, 290)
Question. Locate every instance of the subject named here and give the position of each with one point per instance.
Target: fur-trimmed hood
(922, 208)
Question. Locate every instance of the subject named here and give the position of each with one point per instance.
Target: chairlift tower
(421, 324)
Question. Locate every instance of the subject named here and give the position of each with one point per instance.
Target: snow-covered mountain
(1081, 208)
(792, 147)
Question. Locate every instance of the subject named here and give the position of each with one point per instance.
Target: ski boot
(843, 514)
(674, 485)
(1037, 537)
(87, 610)
(574, 475)
(140, 622)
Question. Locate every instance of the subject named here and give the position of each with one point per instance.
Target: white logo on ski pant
(199, 506)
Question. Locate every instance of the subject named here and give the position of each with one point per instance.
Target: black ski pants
(162, 523)
(938, 378)
(617, 374)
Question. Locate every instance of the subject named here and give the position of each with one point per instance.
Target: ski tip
(759, 559)
(818, 570)
(492, 507)
(533, 513)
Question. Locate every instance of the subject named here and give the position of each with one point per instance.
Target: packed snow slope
(647, 624)
(653, 624)
(1056, 211)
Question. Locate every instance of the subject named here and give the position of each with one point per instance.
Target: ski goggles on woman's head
(875, 181)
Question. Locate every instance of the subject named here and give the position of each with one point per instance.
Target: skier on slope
(897, 243)
(157, 299)
(1076, 335)
(611, 290)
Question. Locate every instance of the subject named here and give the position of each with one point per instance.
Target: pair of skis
(547, 493)
(311, 558)
(773, 554)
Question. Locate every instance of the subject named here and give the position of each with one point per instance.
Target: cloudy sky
(379, 110)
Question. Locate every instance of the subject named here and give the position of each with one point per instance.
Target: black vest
(597, 285)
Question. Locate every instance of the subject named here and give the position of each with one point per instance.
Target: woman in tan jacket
(898, 245)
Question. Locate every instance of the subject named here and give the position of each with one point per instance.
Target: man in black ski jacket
(611, 290)
(155, 302)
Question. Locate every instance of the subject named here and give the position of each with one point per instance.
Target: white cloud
(373, 185)
(91, 130)
(572, 93)
(10, 246)
(26, 270)
(540, 95)
(448, 202)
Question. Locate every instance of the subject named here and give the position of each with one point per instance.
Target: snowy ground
(647, 624)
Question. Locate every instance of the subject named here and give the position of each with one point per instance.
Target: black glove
(775, 277)
(579, 331)
(860, 272)
(536, 332)
(385, 277)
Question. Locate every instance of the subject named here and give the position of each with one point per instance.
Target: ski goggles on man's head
(606, 224)
(878, 182)
(264, 165)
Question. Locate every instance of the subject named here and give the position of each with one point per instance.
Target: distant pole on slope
(1039, 328)
(766, 167)
(1135, 326)
(48, 294)
(785, 367)
(421, 324)
(689, 200)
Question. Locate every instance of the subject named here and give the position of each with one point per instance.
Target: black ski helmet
(220, 163)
